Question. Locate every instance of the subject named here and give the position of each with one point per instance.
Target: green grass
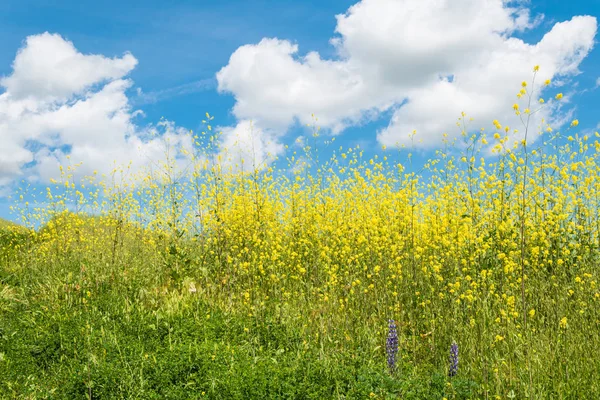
(75, 326)
(114, 338)
(9, 226)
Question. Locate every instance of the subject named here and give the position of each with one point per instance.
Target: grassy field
(207, 282)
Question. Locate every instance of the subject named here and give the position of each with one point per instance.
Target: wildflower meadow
(473, 275)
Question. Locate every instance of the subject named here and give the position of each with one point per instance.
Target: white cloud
(59, 102)
(249, 146)
(394, 52)
(270, 85)
(48, 67)
(159, 95)
(486, 86)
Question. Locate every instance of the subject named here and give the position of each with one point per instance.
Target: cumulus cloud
(48, 67)
(273, 87)
(58, 102)
(397, 55)
(249, 146)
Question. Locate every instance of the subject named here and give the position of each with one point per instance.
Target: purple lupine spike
(392, 345)
(453, 359)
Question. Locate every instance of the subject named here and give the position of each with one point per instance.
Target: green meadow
(227, 283)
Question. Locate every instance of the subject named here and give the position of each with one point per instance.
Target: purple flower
(391, 346)
(453, 359)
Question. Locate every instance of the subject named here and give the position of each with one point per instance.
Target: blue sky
(383, 77)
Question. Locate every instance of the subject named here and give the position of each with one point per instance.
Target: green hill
(4, 223)
(11, 234)
(9, 226)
